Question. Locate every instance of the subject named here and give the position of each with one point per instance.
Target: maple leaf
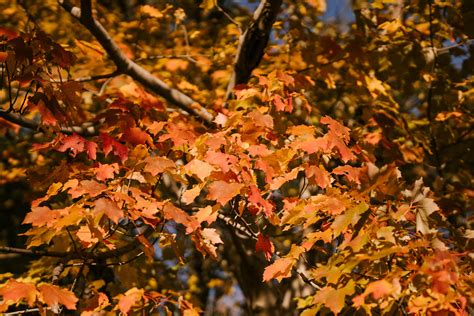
(129, 299)
(156, 165)
(109, 208)
(16, 291)
(40, 216)
(206, 241)
(207, 214)
(111, 144)
(223, 192)
(256, 198)
(265, 245)
(279, 270)
(86, 237)
(171, 212)
(200, 168)
(74, 143)
(90, 187)
(350, 172)
(378, 289)
(188, 196)
(136, 136)
(279, 181)
(424, 206)
(337, 128)
(333, 298)
(322, 177)
(53, 296)
(106, 171)
(222, 160)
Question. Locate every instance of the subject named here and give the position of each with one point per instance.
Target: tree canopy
(227, 157)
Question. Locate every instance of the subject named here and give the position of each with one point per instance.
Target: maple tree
(203, 157)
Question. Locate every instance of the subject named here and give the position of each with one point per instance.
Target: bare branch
(127, 66)
(98, 77)
(253, 42)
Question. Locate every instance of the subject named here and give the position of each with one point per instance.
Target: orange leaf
(156, 165)
(200, 168)
(109, 208)
(171, 212)
(104, 172)
(53, 296)
(279, 270)
(136, 136)
(130, 298)
(223, 192)
(350, 172)
(16, 291)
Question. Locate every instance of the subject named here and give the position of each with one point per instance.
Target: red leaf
(278, 101)
(265, 245)
(136, 136)
(8, 33)
(111, 144)
(255, 198)
(53, 296)
(91, 149)
(223, 192)
(74, 143)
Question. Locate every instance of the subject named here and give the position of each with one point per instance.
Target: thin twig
(227, 15)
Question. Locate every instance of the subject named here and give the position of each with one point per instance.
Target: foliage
(160, 178)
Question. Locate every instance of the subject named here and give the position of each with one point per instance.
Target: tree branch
(253, 42)
(127, 66)
(30, 124)
(80, 255)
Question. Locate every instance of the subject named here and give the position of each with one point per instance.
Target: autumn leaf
(156, 165)
(151, 11)
(188, 196)
(90, 187)
(172, 212)
(53, 296)
(109, 208)
(265, 245)
(333, 298)
(378, 289)
(199, 168)
(106, 171)
(136, 136)
(279, 270)
(129, 299)
(350, 172)
(206, 241)
(16, 291)
(223, 192)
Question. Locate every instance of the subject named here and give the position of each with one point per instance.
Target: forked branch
(129, 67)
